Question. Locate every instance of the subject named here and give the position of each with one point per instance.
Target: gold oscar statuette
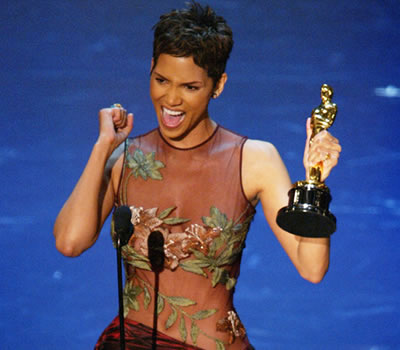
(307, 213)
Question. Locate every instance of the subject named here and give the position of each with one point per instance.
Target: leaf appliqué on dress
(135, 286)
(222, 250)
(144, 165)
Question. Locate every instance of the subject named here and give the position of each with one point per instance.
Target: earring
(214, 95)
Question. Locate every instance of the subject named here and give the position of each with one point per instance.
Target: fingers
(127, 128)
(324, 149)
(115, 125)
(119, 117)
(307, 146)
(309, 133)
(308, 129)
(122, 133)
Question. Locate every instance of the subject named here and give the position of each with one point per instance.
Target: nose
(173, 97)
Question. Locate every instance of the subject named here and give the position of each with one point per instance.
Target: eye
(192, 87)
(160, 80)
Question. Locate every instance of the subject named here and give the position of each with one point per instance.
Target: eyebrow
(194, 82)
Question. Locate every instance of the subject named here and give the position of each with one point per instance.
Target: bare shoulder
(259, 155)
(258, 146)
(262, 167)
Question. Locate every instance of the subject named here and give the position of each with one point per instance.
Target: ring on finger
(117, 105)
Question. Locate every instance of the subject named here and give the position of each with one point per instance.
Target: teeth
(170, 112)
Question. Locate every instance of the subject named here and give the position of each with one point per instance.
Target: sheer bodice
(194, 198)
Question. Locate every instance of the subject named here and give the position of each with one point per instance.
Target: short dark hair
(195, 32)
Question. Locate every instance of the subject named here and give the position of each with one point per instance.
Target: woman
(194, 182)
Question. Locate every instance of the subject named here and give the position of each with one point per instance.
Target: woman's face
(180, 91)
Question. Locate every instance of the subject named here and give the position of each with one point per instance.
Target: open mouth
(171, 118)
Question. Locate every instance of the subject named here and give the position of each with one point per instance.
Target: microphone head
(155, 245)
(122, 224)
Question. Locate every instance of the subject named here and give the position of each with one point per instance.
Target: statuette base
(307, 213)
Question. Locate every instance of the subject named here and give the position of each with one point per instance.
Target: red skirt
(138, 336)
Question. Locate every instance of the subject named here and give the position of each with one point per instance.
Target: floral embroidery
(214, 245)
(217, 244)
(200, 238)
(147, 221)
(231, 324)
(143, 165)
(224, 248)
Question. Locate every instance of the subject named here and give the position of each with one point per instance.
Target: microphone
(123, 229)
(155, 245)
(122, 224)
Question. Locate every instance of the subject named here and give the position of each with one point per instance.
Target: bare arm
(80, 220)
(265, 178)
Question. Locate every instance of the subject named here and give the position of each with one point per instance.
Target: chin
(174, 135)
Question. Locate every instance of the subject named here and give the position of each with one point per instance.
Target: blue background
(61, 61)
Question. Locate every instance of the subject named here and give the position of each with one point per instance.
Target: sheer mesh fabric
(194, 197)
(138, 337)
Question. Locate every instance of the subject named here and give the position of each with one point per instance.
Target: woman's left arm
(266, 179)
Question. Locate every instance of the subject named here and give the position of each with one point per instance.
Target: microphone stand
(155, 245)
(155, 311)
(120, 296)
(124, 230)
